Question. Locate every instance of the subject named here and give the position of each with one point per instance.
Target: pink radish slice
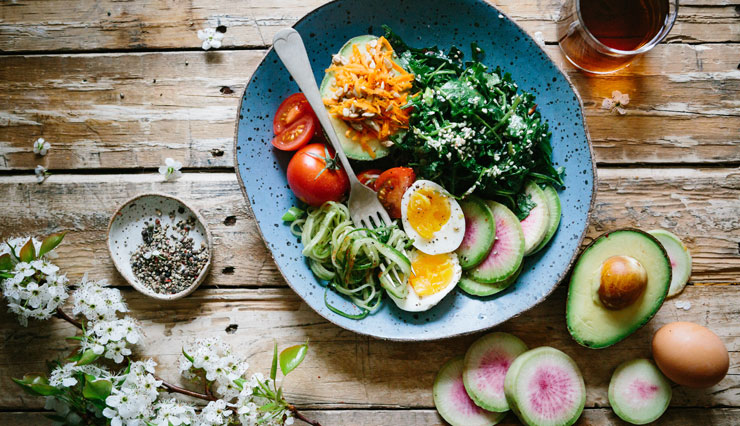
(535, 225)
(508, 250)
(480, 232)
(453, 402)
(545, 388)
(638, 392)
(486, 363)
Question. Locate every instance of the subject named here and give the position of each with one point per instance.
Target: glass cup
(585, 51)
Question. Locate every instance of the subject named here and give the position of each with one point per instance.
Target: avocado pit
(622, 280)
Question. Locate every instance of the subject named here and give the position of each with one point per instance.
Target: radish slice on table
(453, 402)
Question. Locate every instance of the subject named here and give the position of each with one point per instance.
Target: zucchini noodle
(356, 262)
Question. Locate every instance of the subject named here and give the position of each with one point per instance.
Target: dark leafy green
(472, 129)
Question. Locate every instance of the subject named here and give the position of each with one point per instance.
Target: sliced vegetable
(297, 134)
(507, 252)
(480, 232)
(369, 177)
(349, 258)
(315, 176)
(679, 256)
(452, 401)
(365, 88)
(638, 392)
(290, 110)
(535, 224)
(486, 363)
(553, 205)
(292, 214)
(391, 185)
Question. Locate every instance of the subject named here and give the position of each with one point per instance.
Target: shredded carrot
(368, 92)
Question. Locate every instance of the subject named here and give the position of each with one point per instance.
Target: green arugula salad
(458, 155)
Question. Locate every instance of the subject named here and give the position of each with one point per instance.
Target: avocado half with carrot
(365, 131)
(618, 284)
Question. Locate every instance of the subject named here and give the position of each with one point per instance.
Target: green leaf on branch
(51, 242)
(87, 357)
(273, 369)
(292, 357)
(240, 383)
(269, 406)
(188, 357)
(6, 263)
(96, 389)
(28, 251)
(37, 385)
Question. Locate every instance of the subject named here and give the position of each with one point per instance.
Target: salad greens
(471, 129)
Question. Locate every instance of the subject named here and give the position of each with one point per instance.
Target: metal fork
(364, 207)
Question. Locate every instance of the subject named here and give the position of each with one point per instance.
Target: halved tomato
(369, 177)
(297, 134)
(391, 185)
(289, 111)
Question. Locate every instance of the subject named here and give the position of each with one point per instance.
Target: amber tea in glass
(602, 36)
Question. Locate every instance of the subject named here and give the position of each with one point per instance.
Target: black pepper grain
(168, 262)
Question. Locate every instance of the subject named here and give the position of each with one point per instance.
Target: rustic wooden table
(117, 86)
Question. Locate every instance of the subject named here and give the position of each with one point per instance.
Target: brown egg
(690, 355)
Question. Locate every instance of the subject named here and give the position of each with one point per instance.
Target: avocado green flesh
(352, 148)
(589, 322)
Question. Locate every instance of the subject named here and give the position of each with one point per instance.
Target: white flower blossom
(171, 412)
(64, 375)
(35, 289)
(617, 102)
(41, 173)
(131, 402)
(41, 147)
(248, 403)
(171, 169)
(96, 301)
(216, 360)
(111, 338)
(211, 38)
(215, 413)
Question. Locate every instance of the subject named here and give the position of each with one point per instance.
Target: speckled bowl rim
(141, 289)
(560, 278)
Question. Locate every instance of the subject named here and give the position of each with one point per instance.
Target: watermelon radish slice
(535, 225)
(480, 232)
(638, 392)
(553, 206)
(680, 258)
(474, 288)
(453, 402)
(486, 363)
(507, 252)
(544, 387)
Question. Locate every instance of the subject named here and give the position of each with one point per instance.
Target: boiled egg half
(432, 218)
(433, 276)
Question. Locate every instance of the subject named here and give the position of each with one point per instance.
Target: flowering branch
(83, 392)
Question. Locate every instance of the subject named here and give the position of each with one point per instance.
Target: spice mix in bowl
(160, 246)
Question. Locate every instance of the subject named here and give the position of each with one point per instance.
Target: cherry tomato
(291, 109)
(315, 175)
(369, 177)
(391, 185)
(296, 135)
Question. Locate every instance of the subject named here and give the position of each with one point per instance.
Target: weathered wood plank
(428, 417)
(132, 110)
(346, 370)
(700, 205)
(157, 24)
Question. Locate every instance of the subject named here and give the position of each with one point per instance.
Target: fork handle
(288, 45)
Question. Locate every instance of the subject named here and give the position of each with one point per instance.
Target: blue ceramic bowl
(261, 169)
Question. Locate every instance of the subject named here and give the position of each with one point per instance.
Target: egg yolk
(431, 273)
(428, 211)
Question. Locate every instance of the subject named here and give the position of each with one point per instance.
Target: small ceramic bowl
(124, 236)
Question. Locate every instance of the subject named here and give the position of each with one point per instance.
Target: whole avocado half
(589, 322)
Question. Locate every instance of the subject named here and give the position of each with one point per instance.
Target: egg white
(413, 303)
(449, 237)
